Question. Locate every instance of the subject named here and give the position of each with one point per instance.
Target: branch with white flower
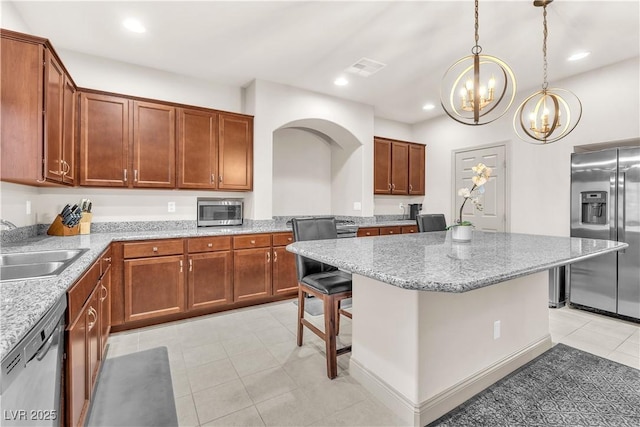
(482, 174)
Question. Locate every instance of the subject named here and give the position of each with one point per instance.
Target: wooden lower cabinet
(88, 326)
(251, 273)
(153, 287)
(285, 280)
(368, 231)
(383, 231)
(406, 229)
(209, 283)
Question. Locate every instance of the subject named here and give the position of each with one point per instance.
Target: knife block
(85, 223)
(57, 229)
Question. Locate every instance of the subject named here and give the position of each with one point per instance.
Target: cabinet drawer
(252, 241)
(282, 239)
(368, 231)
(80, 292)
(390, 230)
(409, 229)
(209, 244)
(153, 248)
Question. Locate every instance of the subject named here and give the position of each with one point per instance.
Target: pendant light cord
(545, 84)
(476, 49)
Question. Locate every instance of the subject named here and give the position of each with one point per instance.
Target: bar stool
(324, 282)
(431, 222)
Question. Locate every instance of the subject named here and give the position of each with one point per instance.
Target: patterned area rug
(562, 387)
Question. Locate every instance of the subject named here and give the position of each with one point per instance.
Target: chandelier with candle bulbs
(549, 110)
(477, 89)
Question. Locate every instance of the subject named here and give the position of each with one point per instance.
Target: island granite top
(433, 262)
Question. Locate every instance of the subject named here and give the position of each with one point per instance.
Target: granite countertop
(24, 302)
(433, 262)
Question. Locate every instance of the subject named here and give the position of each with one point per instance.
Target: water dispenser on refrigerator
(594, 207)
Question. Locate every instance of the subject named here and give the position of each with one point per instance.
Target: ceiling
(308, 44)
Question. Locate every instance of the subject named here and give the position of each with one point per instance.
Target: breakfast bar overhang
(436, 321)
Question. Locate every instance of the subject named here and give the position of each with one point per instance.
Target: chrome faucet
(8, 225)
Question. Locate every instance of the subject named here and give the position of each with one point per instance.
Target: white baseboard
(421, 414)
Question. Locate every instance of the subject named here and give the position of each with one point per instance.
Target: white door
(493, 215)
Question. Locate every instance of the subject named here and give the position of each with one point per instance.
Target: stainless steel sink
(25, 265)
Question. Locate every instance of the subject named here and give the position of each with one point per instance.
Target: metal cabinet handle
(135, 175)
(107, 259)
(93, 313)
(105, 293)
(180, 266)
(275, 256)
(393, 186)
(220, 178)
(209, 245)
(410, 187)
(154, 249)
(368, 233)
(253, 242)
(389, 186)
(268, 256)
(125, 175)
(391, 232)
(190, 264)
(289, 239)
(65, 167)
(213, 179)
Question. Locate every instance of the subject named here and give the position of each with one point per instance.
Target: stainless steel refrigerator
(605, 204)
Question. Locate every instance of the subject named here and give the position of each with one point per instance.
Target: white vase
(461, 233)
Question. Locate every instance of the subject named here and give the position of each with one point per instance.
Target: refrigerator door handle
(613, 207)
(622, 212)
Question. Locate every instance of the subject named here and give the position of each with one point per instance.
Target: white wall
(14, 203)
(10, 19)
(539, 175)
(301, 173)
(275, 106)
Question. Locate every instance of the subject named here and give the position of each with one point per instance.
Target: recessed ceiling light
(134, 25)
(428, 107)
(341, 81)
(579, 55)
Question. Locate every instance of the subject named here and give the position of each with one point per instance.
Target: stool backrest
(431, 222)
(314, 228)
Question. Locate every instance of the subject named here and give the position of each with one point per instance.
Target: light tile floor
(243, 368)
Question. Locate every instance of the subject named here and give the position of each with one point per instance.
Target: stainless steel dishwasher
(32, 374)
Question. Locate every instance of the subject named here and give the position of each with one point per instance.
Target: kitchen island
(436, 321)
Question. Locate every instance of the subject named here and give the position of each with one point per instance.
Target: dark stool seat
(329, 282)
(324, 282)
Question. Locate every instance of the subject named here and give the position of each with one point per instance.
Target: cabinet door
(197, 149)
(77, 396)
(416, 169)
(407, 229)
(154, 145)
(235, 150)
(384, 231)
(69, 133)
(209, 282)
(53, 118)
(382, 166)
(154, 287)
(251, 273)
(93, 339)
(400, 168)
(104, 140)
(285, 280)
(21, 98)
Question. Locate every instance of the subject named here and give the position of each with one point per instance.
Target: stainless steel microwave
(219, 211)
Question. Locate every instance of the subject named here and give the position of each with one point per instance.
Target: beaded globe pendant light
(477, 89)
(549, 110)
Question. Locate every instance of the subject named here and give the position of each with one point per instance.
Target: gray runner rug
(134, 390)
(562, 387)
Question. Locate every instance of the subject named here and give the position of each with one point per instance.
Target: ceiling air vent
(365, 67)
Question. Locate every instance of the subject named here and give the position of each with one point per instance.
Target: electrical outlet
(171, 207)
(496, 329)
(28, 207)
(357, 206)
(401, 206)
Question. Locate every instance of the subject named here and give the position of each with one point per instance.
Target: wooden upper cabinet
(235, 150)
(104, 140)
(37, 116)
(197, 149)
(154, 145)
(416, 169)
(399, 167)
(382, 166)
